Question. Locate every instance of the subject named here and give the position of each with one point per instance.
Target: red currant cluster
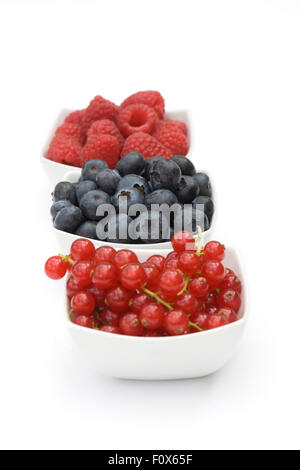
(188, 291)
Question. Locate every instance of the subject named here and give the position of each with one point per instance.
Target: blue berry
(92, 168)
(206, 204)
(68, 219)
(108, 180)
(188, 189)
(165, 174)
(84, 187)
(57, 206)
(90, 202)
(153, 227)
(161, 196)
(118, 229)
(192, 217)
(132, 195)
(149, 165)
(186, 166)
(134, 181)
(132, 163)
(65, 191)
(203, 184)
(87, 229)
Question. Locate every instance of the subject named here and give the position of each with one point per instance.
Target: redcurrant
(189, 262)
(82, 273)
(182, 241)
(108, 317)
(229, 298)
(187, 302)
(176, 322)
(99, 295)
(124, 257)
(104, 253)
(82, 250)
(199, 287)
(214, 272)
(118, 299)
(214, 321)
(110, 329)
(105, 276)
(72, 287)
(138, 301)
(130, 325)
(83, 303)
(158, 261)
(171, 282)
(152, 316)
(152, 275)
(56, 267)
(84, 321)
(133, 276)
(228, 313)
(214, 251)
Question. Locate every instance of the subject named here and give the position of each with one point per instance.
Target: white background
(235, 66)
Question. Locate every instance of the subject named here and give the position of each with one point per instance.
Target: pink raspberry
(105, 126)
(150, 98)
(145, 144)
(99, 108)
(64, 149)
(103, 146)
(75, 117)
(137, 118)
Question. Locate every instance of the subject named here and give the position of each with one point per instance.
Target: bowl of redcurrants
(168, 314)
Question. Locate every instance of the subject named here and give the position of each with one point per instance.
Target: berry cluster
(107, 131)
(153, 182)
(187, 292)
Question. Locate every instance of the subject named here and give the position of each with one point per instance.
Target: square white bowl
(165, 358)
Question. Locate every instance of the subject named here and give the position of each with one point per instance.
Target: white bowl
(65, 239)
(56, 171)
(165, 358)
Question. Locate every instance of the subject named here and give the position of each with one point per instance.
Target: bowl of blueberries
(139, 203)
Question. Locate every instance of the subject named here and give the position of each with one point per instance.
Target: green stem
(68, 259)
(194, 325)
(186, 283)
(157, 298)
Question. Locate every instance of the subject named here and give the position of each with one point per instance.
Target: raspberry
(173, 125)
(173, 139)
(145, 144)
(71, 130)
(99, 108)
(75, 117)
(103, 146)
(64, 149)
(105, 126)
(137, 118)
(150, 98)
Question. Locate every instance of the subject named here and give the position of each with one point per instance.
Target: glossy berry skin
(138, 301)
(56, 267)
(99, 295)
(187, 302)
(199, 287)
(110, 329)
(183, 241)
(130, 325)
(86, 322)
(152, 316)
(214, 272)
(105, 276)
(171, 264)
(108, 317)
(214, 251)
(176, 323)
(171, 282)
(229, 314)
(72, 287)
(189, 263)
(231, 282)
(82, 273)
(124, 257)
(152, 275)
(133, 276)
(104, 253)
(83, 303)
(199, 319)
(82, 250)
(229, 298)
(118, 299)
(158, 261)
(214, 321)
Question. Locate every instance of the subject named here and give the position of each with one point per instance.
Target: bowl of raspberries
(108, 131)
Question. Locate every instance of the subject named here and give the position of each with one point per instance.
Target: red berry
(108, 317)
(171, 264)
(172, 255)
(99, 108)
(72, 287)
(173, 139)
(105, 126)
(110, 329)
(231, 282)
(105, 276)
(104, 253)
(124, 257)
(199, 287)
(189, 262)
(138, 301)
(158, 261)
(84, 321)
(172, 124)
(82, 273)
(187, 302)
(70, 130)
(200, 320)
(118, 299)
(99, 295)
(56, 267)
(103, 146)
(64, 149)
(214, 321)
(171, 282)
(152, 275)
(133, 276)
(182, 241)
(176, 322)
(145, 144)
(211, 299)
(75, 117)
(131, 325)
(150, 98)
(214, 272)
(83, 303)
(137, 118)
(214, 251)
(228, 313)
(229, 298)
(82, 250)
(152, 316)
(155, 333)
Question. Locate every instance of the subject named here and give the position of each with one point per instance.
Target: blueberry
(132, 163)
(161, 196)
(84, 187)
(189, 218)
(68, 219)
(132, 195)
(152, 227)
(57, 206)
(87, 229)
(65, 191)
(134, 181)
(90, 202)
(92, 168)
(149, 165)
(188, 189)
(165, 174)
(108, 180)
(203, 184)
(117, 227)
(186, 166)
(206, 204)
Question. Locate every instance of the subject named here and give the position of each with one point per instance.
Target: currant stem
(157, 298)
(194, 325)
(186, 283)
(68, 259)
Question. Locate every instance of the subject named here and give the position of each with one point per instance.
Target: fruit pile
(135, 180)
(187, 292)
(107, 131)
